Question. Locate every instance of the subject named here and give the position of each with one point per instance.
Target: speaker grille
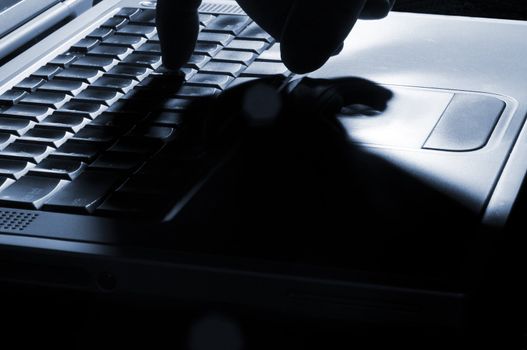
(15, 220)
(222, 9)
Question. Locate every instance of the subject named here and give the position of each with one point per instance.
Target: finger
(376, 9)
(269, 14)
(178, 27)
(315, 30)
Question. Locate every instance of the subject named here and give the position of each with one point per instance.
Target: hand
(310, 31)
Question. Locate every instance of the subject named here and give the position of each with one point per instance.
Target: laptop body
(420, 58)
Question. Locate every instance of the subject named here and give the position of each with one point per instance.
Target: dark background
(510, 9)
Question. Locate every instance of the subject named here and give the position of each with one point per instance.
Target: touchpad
(426, 118)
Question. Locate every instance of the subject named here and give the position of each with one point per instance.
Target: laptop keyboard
(93, 131)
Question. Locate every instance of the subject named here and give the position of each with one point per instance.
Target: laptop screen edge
(19, 13)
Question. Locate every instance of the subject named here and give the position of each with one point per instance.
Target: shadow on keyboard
(82, 133)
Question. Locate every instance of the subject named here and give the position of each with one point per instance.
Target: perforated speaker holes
(15, 221)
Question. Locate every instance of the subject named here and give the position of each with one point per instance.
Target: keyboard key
(5, 182)
(84, 45)
(117, 120)
(143, 95)
(106, 97)
(162, 133)
(12, 97)
(132, 42)
(67, 122)
(87, 110)
(58, 168)
(116, 161)
(95, 62)
(143, 60)
(31, 191)
(130, 72)
(254, 32)
(128, 12)
(137, 145)
(161, 82)
(247, 45)
(85, 152)
(271, 54)
(211, 80)
(122, 85)
(205, 19)
(34, 113)
(30, 84)
(147, 17)
(6, 139)
(117, 52)
(240, 81)
(70, 87)
(188, 73)
(150, 184)
(26, 151)
(208, 49)
(150, 48)
(176, 104)
(129, 107)
(82, 74)
(63, 60)
(136, 205)
(145, 92)
(230, 24)
(172, 119)
(115, 23)
(215, 38)
(51, 137)
(139, 30)
(101, 33)
(85, 193)
(197, 61)
(258, 69)
(232, 69)
(47, 72)
(14, 169)
(155, 39)
(15, 126)
(196, 91)
(46, 98)
(243, 57)
(98, 135)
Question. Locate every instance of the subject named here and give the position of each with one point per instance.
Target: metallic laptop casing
(424, 54)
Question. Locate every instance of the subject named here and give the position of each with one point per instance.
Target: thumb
(315, 30)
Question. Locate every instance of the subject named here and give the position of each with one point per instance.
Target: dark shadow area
(513, 9)
(293, 189)
(289, 189)
(296, 189)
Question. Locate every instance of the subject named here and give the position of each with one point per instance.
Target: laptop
(91, 199)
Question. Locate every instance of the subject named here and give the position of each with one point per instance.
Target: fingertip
(178, 28)
(298, 62)
(313, 33)
(376, 9)
(302, 60)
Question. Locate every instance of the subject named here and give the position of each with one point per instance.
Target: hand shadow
(295, 187)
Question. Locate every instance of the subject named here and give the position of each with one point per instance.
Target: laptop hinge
(41, 24)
